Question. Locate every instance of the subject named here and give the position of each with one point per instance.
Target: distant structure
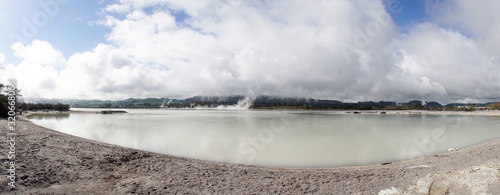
(112, 111)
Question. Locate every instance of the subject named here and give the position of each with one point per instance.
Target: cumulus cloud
(236, 47)
(34, 80)
(40, 52)
(346, 50)
(36, 74)
(477, 19)
(436, 63)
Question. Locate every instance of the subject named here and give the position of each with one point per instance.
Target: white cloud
(106, 72)
(118, 8)
(255, 46)
(36, 74)
(40, 52)
(439, 64)
(346, 50)
(34, 80)
(476, 18)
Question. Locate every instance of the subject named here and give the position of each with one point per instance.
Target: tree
(4, 99)
(417, 105)
(3, 103)
(471, 107)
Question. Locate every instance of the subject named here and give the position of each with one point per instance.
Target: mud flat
(51, 162)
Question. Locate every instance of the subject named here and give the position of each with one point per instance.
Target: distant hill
(464, 105)
(494, 106)
(265, 102)
(127, 103)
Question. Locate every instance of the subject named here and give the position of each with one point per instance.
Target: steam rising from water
(243, 104)
(165, 103)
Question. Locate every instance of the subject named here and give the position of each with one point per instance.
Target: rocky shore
(50, 162)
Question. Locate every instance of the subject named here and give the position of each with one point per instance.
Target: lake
(279, 138)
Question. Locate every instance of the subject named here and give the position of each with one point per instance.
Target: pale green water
(280, 138)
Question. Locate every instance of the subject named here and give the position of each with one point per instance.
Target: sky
(348, 50)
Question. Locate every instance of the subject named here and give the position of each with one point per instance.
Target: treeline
(14, 92)
(127, 103)
(271, 102)
(203, 101)
(40, 106)
(197, 101)
(274, 102)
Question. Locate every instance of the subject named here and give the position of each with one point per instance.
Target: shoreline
(54, 162)
(470, 113)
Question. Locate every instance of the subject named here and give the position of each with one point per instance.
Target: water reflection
(58, 117)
